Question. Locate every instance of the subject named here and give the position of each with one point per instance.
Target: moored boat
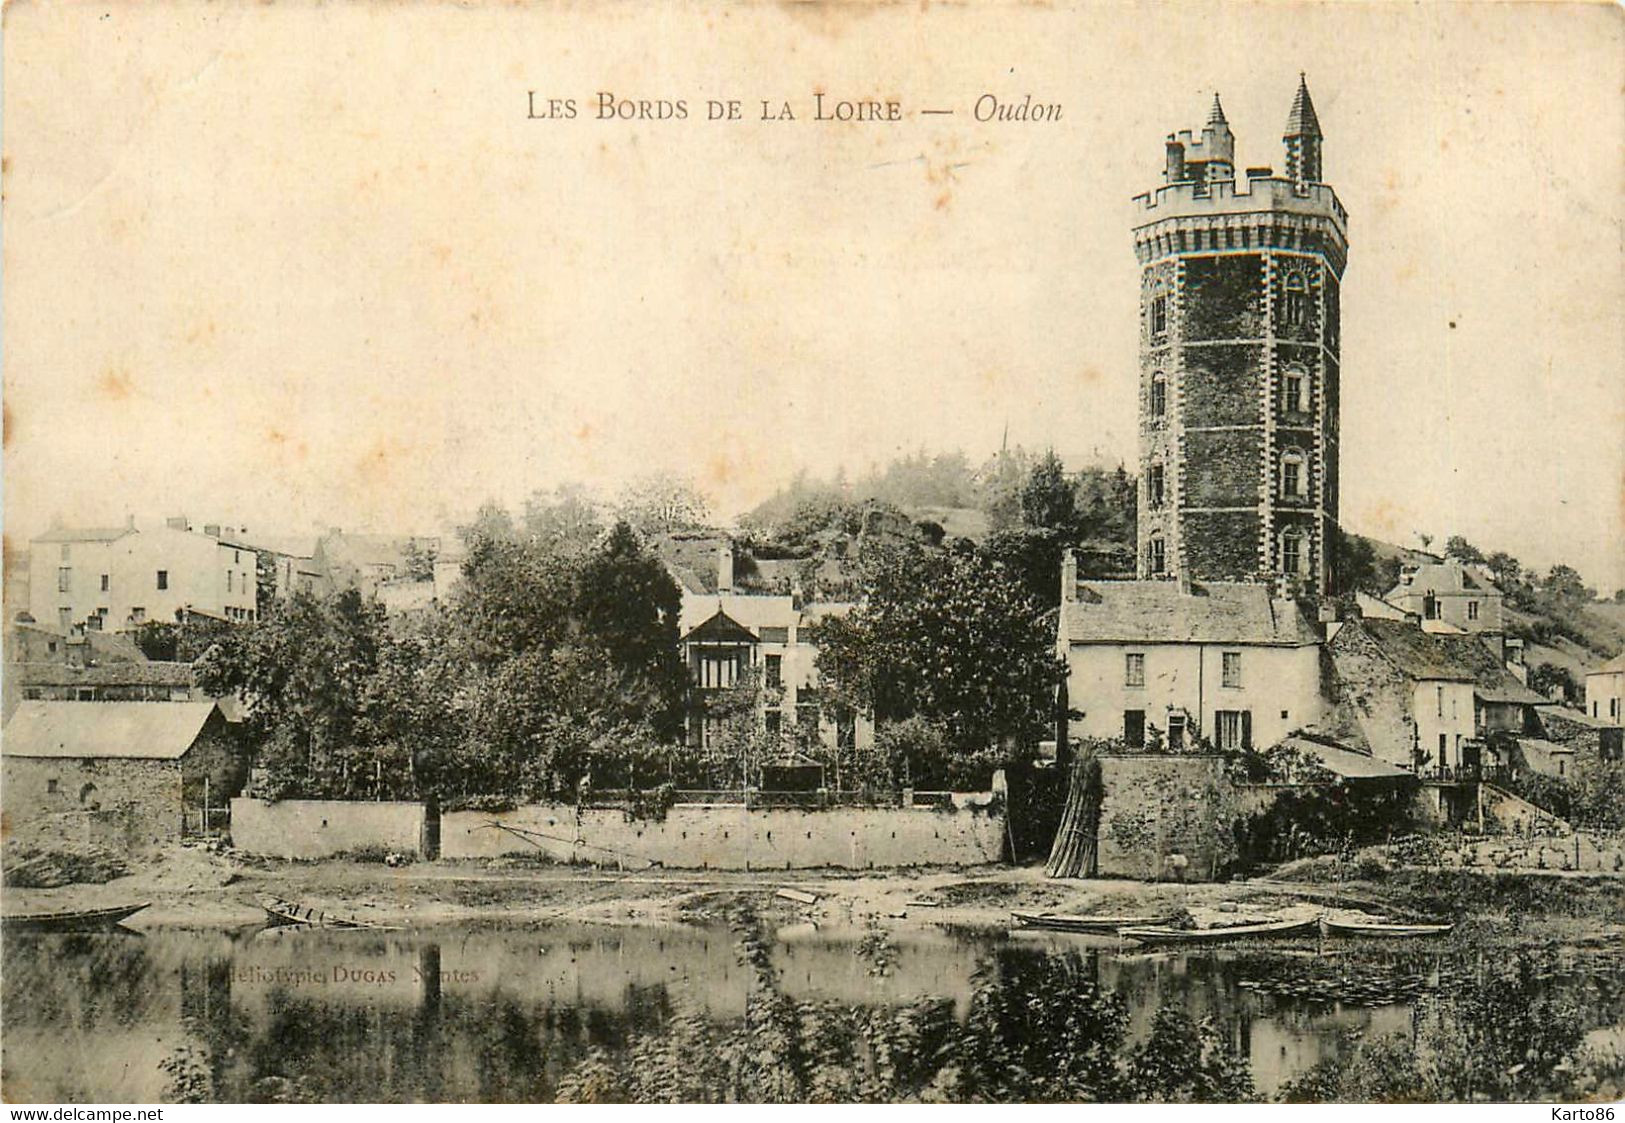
(292, 912)
(1074, 922)
(1380, 928)
(1272, 930)
(70, 920)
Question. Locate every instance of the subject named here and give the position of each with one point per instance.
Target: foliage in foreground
(1040, 1030)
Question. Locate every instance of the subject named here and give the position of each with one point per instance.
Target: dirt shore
(188, 888)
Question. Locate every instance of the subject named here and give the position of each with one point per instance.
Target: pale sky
(291, 267)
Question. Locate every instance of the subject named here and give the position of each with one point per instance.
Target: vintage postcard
(813, 553)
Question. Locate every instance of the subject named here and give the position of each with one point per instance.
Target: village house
(29, 647)
(1436, 703)
(1448, 596)
(727, 635)
(111, 578)
(1221, 661)
(368, 562)
(1605, 691)
(289, 564)
(149, 770)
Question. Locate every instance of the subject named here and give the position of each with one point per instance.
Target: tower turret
(1302, 137)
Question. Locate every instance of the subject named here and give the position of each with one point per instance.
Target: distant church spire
(1303, 137)
(1215, 116)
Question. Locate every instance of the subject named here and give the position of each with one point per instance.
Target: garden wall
(322, 828)
(1156, 806)
(696, 836)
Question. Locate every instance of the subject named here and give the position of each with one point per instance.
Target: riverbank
(189, 888)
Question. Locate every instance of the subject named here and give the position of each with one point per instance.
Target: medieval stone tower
(1239, 361)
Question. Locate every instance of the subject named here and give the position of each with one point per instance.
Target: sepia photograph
(730, 551)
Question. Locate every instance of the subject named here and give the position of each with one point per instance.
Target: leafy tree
(1564, 583)
(1543, 677)
(1355, 567)
(952, 637)
(184, 640)
(1463, 551)
(492, 523)
(566, 518)
(419, 561)
(1048, 498)
(1108, 506)
(628, 603)
(661, 503)
(1505, 569)
(303, 672)
(265, 583)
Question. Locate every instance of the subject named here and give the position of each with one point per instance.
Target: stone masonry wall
(322, 828)
(733, 837)
(1159, 805)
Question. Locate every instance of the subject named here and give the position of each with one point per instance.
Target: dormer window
(1296, 309)
(1159, 394)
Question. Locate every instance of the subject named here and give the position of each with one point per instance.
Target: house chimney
(129, 522)
(212, 529)
(725, 568)
(177, 522)
(1183, 576)
(1069, 576)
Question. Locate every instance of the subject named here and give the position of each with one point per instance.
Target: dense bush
(1331, 819)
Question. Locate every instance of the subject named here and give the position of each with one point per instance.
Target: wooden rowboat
(291, 912)
(70, 920)
(1393, 931)
(1271, 930)
(1072, 922)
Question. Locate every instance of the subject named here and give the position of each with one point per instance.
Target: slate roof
(1443, 578)
(1301, 119)
(1344, 762)
(1554, 711)
(1493, 682)
(753, 613)
(1418, 654)
(1159, 612)
(143, 673)
(84, 534)
(129, 730)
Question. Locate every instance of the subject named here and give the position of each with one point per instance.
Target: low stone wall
(1158, 806)
(322, 828)
(693, 836)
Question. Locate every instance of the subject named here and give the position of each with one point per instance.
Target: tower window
(1153, 486)
(163, 578)
(1159, 394)
(1297, 300)
(1156, 555)
(1159, 314)
(1292, 475)
(1472, 610)
(1292, 553)
(1294, 398)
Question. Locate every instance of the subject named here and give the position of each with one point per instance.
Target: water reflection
(615, 1013)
